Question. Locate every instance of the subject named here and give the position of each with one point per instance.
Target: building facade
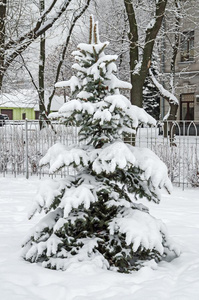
(186, 70)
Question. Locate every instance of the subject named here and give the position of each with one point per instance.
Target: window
(36, 115)
(23, 116)
(187, 46)
(187, 107)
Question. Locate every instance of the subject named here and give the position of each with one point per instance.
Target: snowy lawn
(20, 280)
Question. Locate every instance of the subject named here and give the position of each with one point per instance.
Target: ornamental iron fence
(23, 144)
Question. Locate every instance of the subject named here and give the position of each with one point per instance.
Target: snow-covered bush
(182, 163)
(171, 157)
(193, 167)
(97, 215)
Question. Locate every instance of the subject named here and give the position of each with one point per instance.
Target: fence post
(26, 148)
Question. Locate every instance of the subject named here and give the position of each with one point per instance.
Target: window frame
(188, 100)
(187, 46)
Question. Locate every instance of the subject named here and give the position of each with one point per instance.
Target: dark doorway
(187, 107)
(8, 112)
(36, 115)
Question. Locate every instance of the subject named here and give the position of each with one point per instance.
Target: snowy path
(19, 280)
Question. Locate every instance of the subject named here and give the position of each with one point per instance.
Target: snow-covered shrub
(170, 155)
(4, 159)
(193, 167)
(11, 149)
(182, 162)
(193, 178)
(98, 214)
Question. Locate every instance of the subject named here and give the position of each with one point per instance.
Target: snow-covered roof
(27, 99)
(57, 102)
(22, 99)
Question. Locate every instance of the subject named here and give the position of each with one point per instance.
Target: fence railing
(177, 144)
(22, 144)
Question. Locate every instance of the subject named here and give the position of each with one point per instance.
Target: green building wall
(18, 112)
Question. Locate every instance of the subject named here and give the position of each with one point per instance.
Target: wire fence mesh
(23, 144)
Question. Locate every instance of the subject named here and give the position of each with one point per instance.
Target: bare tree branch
(76, 17)
(15, 47)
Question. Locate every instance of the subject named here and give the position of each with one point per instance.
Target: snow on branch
(92, 47)
(163, 92)
(113, 156)
(73, 83)
(117, 83)
(140, 229)
(139, 115)
(154, 169)
(66, 157)
(46, 193)
(76, 196)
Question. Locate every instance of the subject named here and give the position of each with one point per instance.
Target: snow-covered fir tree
(97, 215)
(151, 97)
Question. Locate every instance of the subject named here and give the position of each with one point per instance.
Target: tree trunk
(42, 110)
(175, 45)
(138, 76)
(3, 5)
(139, 66)
(169, 128)
(137, 89)
(172, 117)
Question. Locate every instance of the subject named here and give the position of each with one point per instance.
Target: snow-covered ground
(175, 280)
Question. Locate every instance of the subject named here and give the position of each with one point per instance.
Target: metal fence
(22, 144)
(177, 144)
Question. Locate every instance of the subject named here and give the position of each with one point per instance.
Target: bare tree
(141, 46)
(114, 26)
(77, 14)
(42, 57)
(39, 81)
(13, 45)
